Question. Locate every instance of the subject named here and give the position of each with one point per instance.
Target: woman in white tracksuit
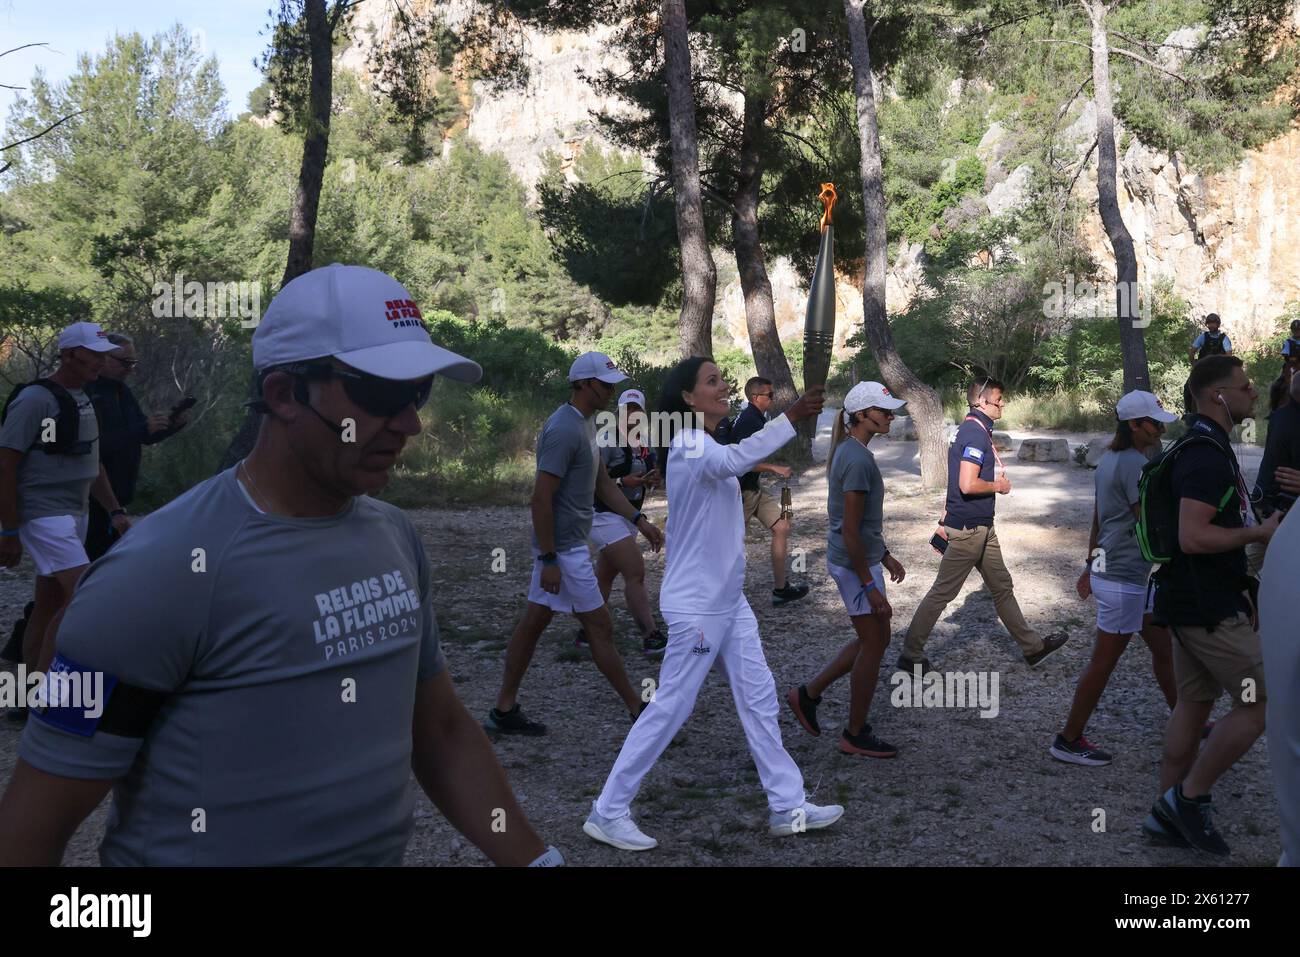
(710, 623)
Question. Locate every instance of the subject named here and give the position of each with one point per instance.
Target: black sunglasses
(382, 398)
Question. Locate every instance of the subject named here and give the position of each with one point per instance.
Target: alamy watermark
(60, 688)
(951, 689)
(1097, 300)
(210, 300)
(650, 429)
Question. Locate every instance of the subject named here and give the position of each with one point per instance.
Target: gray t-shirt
(288, 652)
(50, 484)
(854, 469)
(566, 448)
(1117, 491)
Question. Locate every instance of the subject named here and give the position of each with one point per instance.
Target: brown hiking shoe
(1050, 643)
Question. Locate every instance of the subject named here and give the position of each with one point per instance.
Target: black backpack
(1157, 526)
(67, 427)
(1212, 345)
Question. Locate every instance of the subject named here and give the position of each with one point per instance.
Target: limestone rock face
(1229, 241)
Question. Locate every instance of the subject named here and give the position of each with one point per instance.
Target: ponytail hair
(839, 432)
(681, 378)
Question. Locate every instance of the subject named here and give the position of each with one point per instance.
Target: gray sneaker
(810, 817)
(618, 832)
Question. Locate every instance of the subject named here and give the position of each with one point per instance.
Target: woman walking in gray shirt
(1117, 575)
(857, 560)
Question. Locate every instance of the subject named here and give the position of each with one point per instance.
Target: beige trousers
(970, 548)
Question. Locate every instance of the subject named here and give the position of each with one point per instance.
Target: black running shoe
(580, 639)
(1050, 644)
(1081, 751)
(1193, 818)
(512, 722)
(866, 743)
(909, 666)
(805, 709)
(654, 644)
(791, 592)
(1161, 830)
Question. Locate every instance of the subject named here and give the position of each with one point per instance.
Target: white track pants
(695, 644)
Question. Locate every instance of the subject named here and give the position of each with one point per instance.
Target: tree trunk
(1133, 347)
(306, 200)
(923, 402)
(760, 314)
(699, 275)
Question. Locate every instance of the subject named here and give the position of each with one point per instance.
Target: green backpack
(1157, 526)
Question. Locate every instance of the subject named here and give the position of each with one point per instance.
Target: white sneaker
(619, 832)
(810, 817)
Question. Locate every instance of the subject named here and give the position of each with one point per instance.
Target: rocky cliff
(1230, 242)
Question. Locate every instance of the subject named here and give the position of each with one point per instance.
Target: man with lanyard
(1204, 595)
(757, 503)
(569, 477)
(967, 526)
(267, 700)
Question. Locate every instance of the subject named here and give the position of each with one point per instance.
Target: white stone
(1010, 194)
(1044, 450)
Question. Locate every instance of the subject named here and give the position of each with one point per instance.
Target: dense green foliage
(152, 182)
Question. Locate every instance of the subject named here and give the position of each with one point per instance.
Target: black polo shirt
(1205, 589)
(746, 424)
(974, 443)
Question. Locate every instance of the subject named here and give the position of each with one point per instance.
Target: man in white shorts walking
(49, 465)
(569, 475)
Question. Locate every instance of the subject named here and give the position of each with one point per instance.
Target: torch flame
(828, 197)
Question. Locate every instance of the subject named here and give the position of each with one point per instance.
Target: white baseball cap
(85, 335)
(357, 315)
(595, 365)
(1142, 405)
(870, 395)
(632, 395)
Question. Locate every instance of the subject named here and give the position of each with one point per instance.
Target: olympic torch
(819, 322)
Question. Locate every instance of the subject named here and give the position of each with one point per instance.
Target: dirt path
(964, 790)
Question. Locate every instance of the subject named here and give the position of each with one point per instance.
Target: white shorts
(610, 527)
(852, 590)
(1121, 605)
(55, 542)
(578, 589)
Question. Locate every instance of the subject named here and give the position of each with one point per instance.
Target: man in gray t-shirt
(569, 475)
(855, 470)
(265, 648)
(46, 479)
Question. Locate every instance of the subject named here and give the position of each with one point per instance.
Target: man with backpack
(49, 464)
(1196, 521)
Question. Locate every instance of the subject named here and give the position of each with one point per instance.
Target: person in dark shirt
(1203, 595)
(967, 526)
(1279, 469)
(124, 429)
(758, 503)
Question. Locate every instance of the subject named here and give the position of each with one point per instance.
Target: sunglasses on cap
(382, 398)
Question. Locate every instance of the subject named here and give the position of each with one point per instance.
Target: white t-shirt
(1279, 634)
(704, 540)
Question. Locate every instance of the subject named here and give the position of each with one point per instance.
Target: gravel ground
(964, 790)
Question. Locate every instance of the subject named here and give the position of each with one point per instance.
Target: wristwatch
(116, 512)
(637, 517)
(548, 558)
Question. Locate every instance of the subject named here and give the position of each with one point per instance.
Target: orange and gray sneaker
(867, 744)
(804, 707)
